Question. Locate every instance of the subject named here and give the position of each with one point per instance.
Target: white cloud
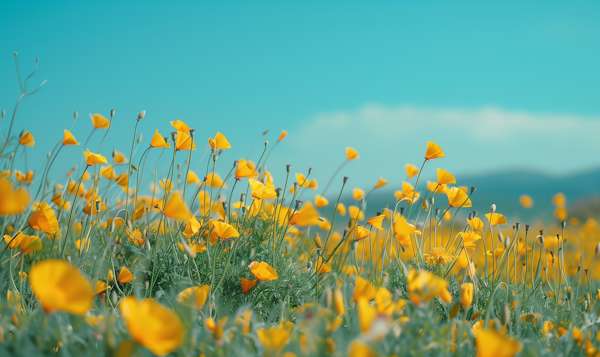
(474, 140)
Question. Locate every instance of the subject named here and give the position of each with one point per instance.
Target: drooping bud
(541, 239)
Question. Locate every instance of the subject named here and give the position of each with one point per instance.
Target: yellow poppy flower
(152, 325)
(69, 139)
(29, 244)
(444, 177)
(27, 139)
(176, 208)
(100, 287)
(411, 170)
(27, 178)
(99, 122)
(495, 219)
(476, 224)
(262, 271)
(273, 338)
(12, 201)
(526, 201)
(363, 290)
(44, 219)
(423, 286)
(214, 180)
(338, 302)
(305, 216)
(13, 242)
(184, 141)
(559, 199)
(321, 266)
(180, 126)
(361, 233)
(60, 287)
(376, 221)
(245, 170)
(458, 198)
(125, 276)
(469, 239)
(403, 231)
(408, 191)
(351, 154)
(357, 194)
(94, 159)
(341, 209)
(321, 201)
(356, 213)
(282, 135)
(222, 230)
(560, 213)
(194, 297)
(358, 348)
(491, 343)
(434, 151)
(219, 142)
(158, 141)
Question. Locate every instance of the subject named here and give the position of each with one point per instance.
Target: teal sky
(498, 84)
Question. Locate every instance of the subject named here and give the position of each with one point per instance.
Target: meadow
(130, 256)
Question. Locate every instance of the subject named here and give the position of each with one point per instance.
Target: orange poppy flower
(434, 151)
(322, 267)
(248, 284)
(108, 172)
(27, 139)
(411, 170)
(469, 239)
(184, 141)
(194, 297)
(99, 122)
(125, 276)
(69, 139)
(476, 224)
(403, 231)
(176, 208)
(444, 177)
(245, 170)
(44, 219)
(351, 154)
(180, 126)
(382, 182)
(219, 142)
(158, 141)
(93, 159)
(262, 271)
(282, 135)
(28, 178)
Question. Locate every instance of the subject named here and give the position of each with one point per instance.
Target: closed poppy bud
(141, 115)
(466, 295)
(505, 315)
(493, 208)
(328, 297)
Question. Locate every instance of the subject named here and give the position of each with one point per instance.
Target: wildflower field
(132, 253)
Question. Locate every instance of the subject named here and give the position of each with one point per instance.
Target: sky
(499, 85)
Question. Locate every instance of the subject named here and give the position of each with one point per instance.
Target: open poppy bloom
(363, 290)
(262, 191)
(12, 201)
(376, 221)
(361, 233)
(213, 180)
(152, 325)
(94, 159)
(29, 244)
(321, 201)
(495, 219)
(248, 284)
(306, 216)
(219, 142)
(119, 157)
(491, 343)
(356, 213)
(184, 141)
(69, 139)
(262, 271)
(444, 177)
(438, 255)
(60, 287)
(180, 126)
(100, 287)
(411, 170)
(458, 198)
(27, 139)
(245, 170)
(408, 191)
(27, 178)
(476, 224)
(351, 154)
(434, 151)
(176, 208)
(194, 297)
(526, 201)
(403, 231)
(223, 230)
(322, 266)
(341, 209)
(273, 338)
(99, 122)
(469, 239)
(158, 141)
(44, 219)
(423, 286)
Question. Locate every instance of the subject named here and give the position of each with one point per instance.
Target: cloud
(475, 140)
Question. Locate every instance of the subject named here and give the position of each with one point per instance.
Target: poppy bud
(309, 170)
(140, 138)
(187, 249)
(466, 295)
(506, 242)
(500, 237)
(75, 115)
(346, 179)
(49, 155)
(3, 113)
(473, 188)
(243, 211)
(345, 233)
(288, 167)
(505, 315)
(563, 224)
(141, 115)
(166, 138)
(493, 208)
(355, 245)
(431, 200)
(328, 297)
(112, 113)
(98, 206)
(114, 298)
(338, 301)
(114, 153)
(401, 211)
(15, 54)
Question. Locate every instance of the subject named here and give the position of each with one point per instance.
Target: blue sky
(498, 84)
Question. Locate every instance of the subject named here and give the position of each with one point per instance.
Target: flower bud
(328, 297)
(112, 113)
(139, 141)
(98, 206)
(187, 249)
(49, 155)
(506, 242)
(288, 167)
(346, 179)
(266, 143)
(527, 228)
(518, 225)
(141, 115)
(505, 315)
(541, 239)
(475, 213)
(493, 208)
(563, 224)
(3, 113)
(75, 115)
(466, 295)
(473, 188)
(192, 133)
